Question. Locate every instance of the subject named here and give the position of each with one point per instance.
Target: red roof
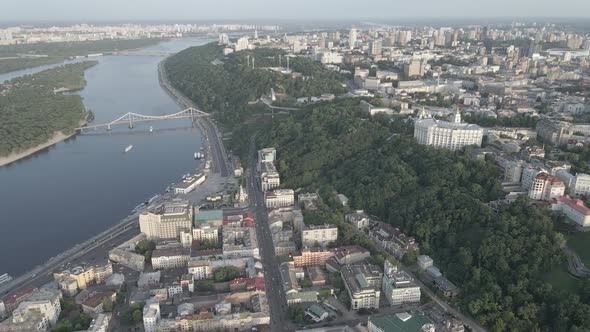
(546, 177)
(19, 295)
(255, 283)
(245, 219)
(576, 204)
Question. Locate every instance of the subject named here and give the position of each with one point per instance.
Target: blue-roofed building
(211, 217)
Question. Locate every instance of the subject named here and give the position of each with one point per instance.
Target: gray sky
(92, 10)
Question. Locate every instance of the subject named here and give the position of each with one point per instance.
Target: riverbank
(57, 137)
(44, 111)
(119, 181)
(62, 51)
(212, 134)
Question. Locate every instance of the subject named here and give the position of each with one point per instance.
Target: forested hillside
(226, 86)
(437, 196)
(32, 108)
(498, 258)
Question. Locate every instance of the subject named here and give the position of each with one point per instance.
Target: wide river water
(78, 188)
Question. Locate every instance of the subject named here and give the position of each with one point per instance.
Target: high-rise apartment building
(352, 38)
(167, 220)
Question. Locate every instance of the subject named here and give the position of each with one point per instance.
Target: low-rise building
(352, 254)
(269, 177)
(363, 284)
(206, 233)
(295, 297)
(404, 321)
(308, 201)
(68, 285)
(149, 279)
(200, 269)
(127, 259)
(279, 198)
(424, 262)
(93, 304)
(83, 275)
(239, 242)
(574, 209)
(284, 248)
(319, 235)
(312, 257)
(151, 317)
(174, 289)
(392, 239)
(170, 258)
(359, 219)
(101, 323)
(398, 287)
(317, 313)
(38, 312)
(546, 187)
(102, 272)
(446, 286)
(189, 183)
(267, 155)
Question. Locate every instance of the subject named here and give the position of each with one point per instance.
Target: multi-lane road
(275, 293)
(95, 248)
(212, 136)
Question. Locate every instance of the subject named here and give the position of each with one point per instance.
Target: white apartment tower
(352, 38)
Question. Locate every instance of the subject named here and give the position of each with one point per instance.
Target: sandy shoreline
(57, 137)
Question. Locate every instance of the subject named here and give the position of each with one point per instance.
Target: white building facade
(447, 135)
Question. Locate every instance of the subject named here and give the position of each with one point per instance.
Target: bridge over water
(131, 118)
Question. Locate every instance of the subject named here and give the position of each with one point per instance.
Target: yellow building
(83, 276)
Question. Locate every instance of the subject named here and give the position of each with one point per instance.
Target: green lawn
(559, 278)
(580, 242)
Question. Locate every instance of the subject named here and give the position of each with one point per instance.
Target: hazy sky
(93, 10)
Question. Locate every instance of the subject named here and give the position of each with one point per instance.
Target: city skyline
(135, 10)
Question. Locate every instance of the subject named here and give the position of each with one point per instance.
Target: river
(64, 195)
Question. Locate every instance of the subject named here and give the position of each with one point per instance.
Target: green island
(35, 110)
(508, 261)
(22, 56)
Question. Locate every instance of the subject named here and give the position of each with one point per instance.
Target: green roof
(360, 278)
(402, 322)
(317, 310)
(206, 215)
(311, 296)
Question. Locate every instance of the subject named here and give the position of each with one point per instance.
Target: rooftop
(401, 322)
(206, 215)
(447, 125)
(170, 252)
(576, 204)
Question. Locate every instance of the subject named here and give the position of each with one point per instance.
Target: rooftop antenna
(253, 59)
(248, 57)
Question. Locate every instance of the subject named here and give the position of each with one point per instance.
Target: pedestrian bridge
(131, 118)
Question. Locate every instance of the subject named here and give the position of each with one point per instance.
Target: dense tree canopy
(227, 85)
(439, 197)
(227, 273)
(32, 108)
(57, 52)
